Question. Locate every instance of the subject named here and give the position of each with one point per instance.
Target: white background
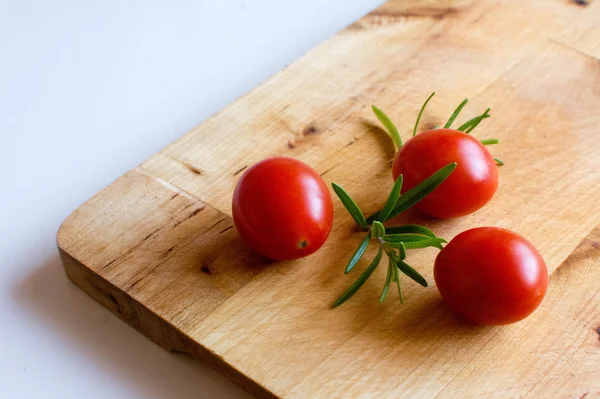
(88, 90)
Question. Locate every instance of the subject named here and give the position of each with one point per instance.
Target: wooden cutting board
(158, 247)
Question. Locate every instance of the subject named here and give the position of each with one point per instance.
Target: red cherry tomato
(491, 276)
(471, 185)
(282, 209)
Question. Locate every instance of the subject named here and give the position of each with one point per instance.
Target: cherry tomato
(471, 185)
(282, 208)
(491, 276)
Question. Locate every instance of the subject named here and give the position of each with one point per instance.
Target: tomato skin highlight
(491, 276)
(282, 208)
(472, 184)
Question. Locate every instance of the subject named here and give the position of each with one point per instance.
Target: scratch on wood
(193, 169)
(225, 229)
(221, 220)
(150, 235)
(132, 249)
(240, 170)
(174, 196)
(328, 170)
(191, 215)
(168, 251)
(188, 166)
(137, 281)
(195, 212)
(110, 263)
(354, 140)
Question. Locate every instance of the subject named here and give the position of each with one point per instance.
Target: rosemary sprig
(358, 253)
(421, 113)
(393, 241)
(350, 205)
(471, 124)
(455, 113)
(466, 127)
(360, 281)
(389, 126)
(417, 193)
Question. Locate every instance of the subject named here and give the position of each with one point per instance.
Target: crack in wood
(138, 280)
(225, 229)
(354, 140)
(167, 252)
(132, 249)
(186, 165)
(240, 170)
(149, 235)
(191, 215)
(328, 170)
(221, 220)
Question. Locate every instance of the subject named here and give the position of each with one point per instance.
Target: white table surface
(88, 90)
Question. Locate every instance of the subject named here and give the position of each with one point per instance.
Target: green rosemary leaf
(397, 238)
(402, 250)
(391, 201)
(455, 113)
(474, 121)
(421, 113)
(410, 272)
(350, 205)
(490, 141)
(397, 278)
(417, 193)
(394, 270)
(389, 126)
(410, 229)
(477, 121)
(358, 253)
(386, 285)
(430, 242)
(360, 281)
(471, 124)
(377, 230)
(498, 162)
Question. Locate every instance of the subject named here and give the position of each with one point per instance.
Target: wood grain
(158, 247)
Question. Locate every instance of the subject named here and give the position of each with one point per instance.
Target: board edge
(149, 324)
